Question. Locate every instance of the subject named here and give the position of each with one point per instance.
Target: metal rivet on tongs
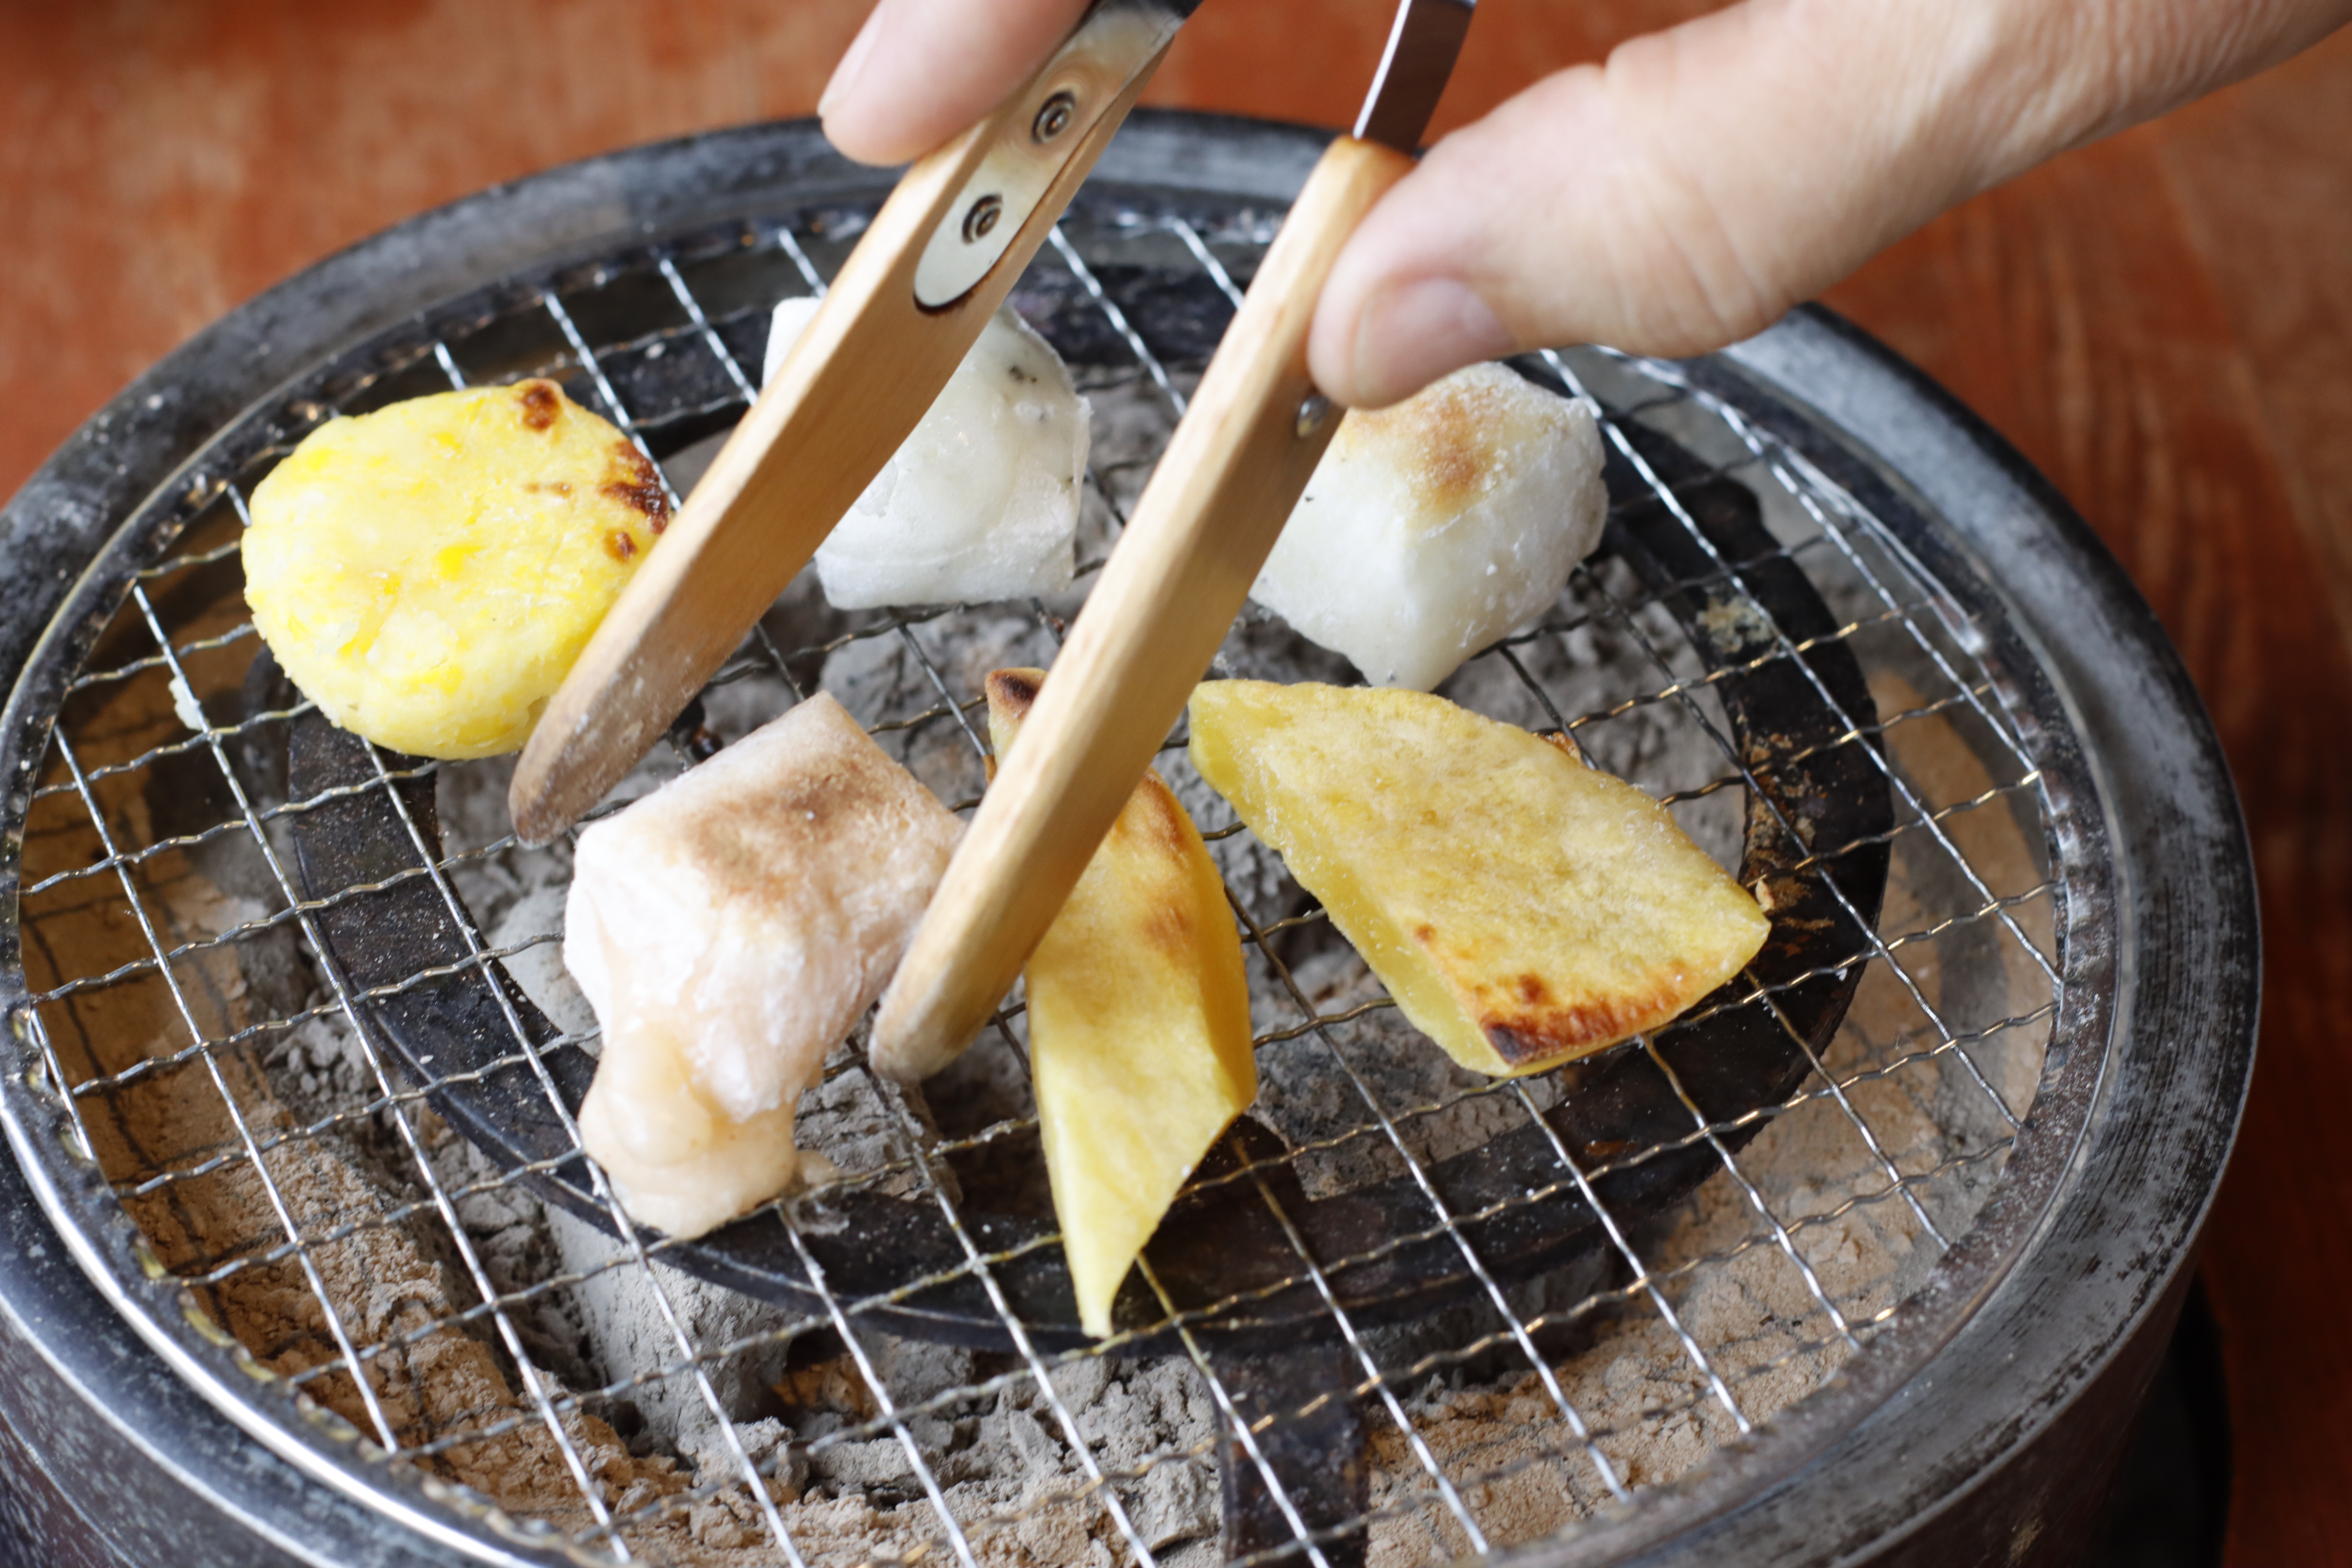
(1312, 410)
(981, 218)
(1053, 116)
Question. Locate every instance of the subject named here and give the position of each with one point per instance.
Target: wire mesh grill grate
(571, 1391)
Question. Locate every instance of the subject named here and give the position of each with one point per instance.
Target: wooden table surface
(2163, 323)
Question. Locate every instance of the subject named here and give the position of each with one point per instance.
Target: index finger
(921, 70)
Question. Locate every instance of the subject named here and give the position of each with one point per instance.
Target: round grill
(295, 1074)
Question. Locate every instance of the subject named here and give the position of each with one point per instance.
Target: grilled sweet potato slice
(1521, 908)
(1139, 1025)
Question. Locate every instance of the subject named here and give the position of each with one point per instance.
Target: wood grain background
(2163, 323)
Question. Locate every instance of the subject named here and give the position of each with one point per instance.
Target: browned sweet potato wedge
(1139, 1025)
(1521, 908)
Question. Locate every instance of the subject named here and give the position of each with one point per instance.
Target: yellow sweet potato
(1521, 908)
(428, 573)
(1139, 1025)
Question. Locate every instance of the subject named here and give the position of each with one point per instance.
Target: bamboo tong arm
(937, 261)
(1205, 522)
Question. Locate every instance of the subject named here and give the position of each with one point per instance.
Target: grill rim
(61, 514)
(2183, 1015)
(2032, 1184)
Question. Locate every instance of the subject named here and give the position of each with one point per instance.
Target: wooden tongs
(908, 304)
(1234, 470)
(927, 274)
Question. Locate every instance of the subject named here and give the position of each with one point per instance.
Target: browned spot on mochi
(542, 405)
(620, 545)
(1448, 430)
(635, 483)
(834, 800)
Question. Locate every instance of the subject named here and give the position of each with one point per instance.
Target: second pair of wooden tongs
(908, 304)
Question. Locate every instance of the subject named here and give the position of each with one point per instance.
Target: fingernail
(1411, 333)
(845, 75)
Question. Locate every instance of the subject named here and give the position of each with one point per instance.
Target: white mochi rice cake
(1437, 525)
(729, 929)
(981, 501)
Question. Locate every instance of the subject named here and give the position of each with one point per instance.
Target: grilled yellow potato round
(428, 573)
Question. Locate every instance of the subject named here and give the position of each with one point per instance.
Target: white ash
(630, 1336)
(530, 935)
(892, 677)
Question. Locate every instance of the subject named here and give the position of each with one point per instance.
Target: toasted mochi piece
(1440, 524)
(428, 573)
(1521, 908)
(1139, 1025)
(981, 502)
(728, 929)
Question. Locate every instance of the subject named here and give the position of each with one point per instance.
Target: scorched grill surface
(1876, 748)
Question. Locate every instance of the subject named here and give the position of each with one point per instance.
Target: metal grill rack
(186, 975)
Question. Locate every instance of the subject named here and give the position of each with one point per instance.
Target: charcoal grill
(1848, 637)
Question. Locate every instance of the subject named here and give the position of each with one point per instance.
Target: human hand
(1675, 199)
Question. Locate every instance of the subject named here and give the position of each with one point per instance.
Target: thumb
(1688, 193)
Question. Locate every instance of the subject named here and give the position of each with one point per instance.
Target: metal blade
(1423, 47)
